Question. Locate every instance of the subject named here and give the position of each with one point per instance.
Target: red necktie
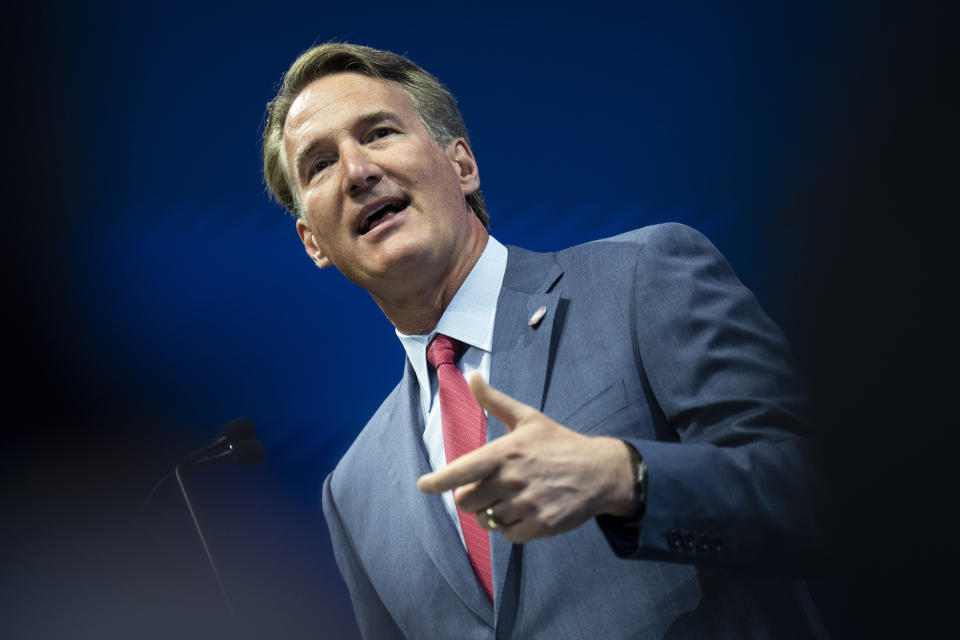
(464, 429)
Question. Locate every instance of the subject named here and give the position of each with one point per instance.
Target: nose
(360, 172)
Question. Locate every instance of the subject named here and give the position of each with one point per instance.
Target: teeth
(387, 208)
(381, 210)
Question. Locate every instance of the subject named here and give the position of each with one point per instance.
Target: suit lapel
(520, 366)
(426, 520)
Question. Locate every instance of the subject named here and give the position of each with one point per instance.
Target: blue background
(155, 292)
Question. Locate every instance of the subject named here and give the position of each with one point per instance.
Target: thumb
(501, 406)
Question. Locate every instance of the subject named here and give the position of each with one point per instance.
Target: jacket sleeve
(739, 486)
(374, 620)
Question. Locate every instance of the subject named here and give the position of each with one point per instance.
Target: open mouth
(380, 215)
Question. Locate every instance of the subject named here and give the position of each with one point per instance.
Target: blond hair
(433, 102)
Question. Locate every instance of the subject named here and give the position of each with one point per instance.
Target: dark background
(153, 292)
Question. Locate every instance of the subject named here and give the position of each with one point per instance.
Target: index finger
(501, 406)
(476, 465)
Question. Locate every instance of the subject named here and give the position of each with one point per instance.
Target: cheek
(416, 171)
(424, 164)
(319, 208)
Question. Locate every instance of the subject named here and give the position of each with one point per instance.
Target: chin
(406, 256)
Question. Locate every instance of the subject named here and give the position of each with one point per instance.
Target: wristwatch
(640, 490)
(623, 532)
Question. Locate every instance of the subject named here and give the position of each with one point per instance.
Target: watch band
(640, 491)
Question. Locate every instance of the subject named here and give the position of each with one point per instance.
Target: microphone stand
(241, 448)
(196, 523)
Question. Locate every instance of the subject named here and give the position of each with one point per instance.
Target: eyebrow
(362, 122)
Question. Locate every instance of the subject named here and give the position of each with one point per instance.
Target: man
(643, 467)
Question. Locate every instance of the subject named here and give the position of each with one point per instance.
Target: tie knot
(444, 350)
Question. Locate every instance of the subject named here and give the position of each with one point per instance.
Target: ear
(461, 156)
(309, 239)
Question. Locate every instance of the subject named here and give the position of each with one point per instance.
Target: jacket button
(674, 539)
(703, 543)
(716, 543)
(689, 538)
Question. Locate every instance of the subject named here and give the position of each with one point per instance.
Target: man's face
(381, 201)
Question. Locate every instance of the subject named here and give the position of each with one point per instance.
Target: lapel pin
(537, 316)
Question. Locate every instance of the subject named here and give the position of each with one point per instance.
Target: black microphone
(234, 431)
(242, 452)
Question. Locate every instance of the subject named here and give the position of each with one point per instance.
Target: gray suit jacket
(651, 338)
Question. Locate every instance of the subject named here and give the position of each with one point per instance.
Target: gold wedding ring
(492, 523)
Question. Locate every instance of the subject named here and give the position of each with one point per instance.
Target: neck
(418, 310)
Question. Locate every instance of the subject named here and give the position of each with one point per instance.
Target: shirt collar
(468, 318)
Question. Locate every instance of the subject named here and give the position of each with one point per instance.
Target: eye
(319, 166)
(382, 132)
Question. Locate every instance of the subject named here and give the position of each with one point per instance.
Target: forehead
(336, 101)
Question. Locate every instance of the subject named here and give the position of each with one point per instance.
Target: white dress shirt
(468, 318)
